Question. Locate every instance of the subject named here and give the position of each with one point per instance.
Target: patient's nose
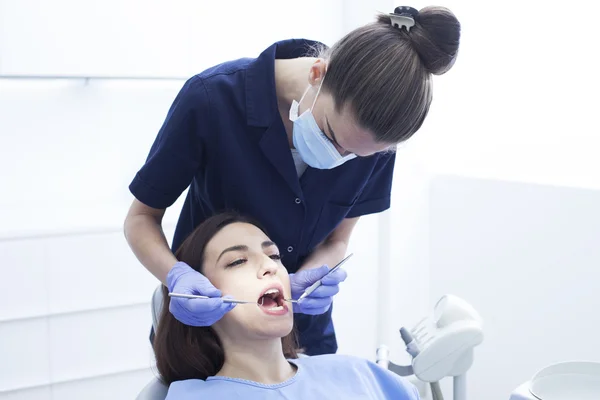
(268, 266)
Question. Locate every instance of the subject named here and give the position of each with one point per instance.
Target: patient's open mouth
(272, 302)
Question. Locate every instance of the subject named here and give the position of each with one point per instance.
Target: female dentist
(300, 138)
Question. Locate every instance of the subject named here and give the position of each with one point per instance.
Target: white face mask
(312, 144)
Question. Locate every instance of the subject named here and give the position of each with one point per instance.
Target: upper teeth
(271, 291)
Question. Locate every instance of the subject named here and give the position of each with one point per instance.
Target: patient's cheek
(237, 317)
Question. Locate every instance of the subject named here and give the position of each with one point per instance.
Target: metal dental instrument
(195, 296)
(318, 283)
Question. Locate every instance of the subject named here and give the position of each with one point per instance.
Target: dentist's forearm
(334, 248)
(144, 234)
(327, 253)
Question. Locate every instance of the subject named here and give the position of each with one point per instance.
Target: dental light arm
(441, 345)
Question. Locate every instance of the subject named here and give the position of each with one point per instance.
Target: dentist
(300, 138)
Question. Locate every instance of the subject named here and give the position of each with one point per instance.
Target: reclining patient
(250, 352)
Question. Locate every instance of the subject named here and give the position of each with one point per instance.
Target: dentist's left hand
(319, 301)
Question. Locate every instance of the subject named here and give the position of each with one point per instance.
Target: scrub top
(224, 139)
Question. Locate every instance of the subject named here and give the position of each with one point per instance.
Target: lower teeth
(276, 308)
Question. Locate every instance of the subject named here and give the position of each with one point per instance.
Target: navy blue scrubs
(223, 137)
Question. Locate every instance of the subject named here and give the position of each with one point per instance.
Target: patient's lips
(271, 300)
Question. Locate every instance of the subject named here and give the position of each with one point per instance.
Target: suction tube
(413, 350)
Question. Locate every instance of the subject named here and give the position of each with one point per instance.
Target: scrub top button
(298, 201)
(290, 249)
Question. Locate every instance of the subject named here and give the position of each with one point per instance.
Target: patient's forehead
(238, 233)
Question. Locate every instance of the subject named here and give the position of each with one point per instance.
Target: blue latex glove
(195, 312)
(319, 301)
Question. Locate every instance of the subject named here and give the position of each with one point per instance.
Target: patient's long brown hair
(187, 352)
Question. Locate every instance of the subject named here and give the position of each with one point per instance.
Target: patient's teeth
(272, 291)
(276, 308)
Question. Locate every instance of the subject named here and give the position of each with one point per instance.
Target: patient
(250, 353)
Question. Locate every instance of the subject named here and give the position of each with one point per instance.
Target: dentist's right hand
(195, 312)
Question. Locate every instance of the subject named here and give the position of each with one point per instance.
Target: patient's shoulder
(186, 389)
(189, 389)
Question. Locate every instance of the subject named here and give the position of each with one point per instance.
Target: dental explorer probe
(318, 283)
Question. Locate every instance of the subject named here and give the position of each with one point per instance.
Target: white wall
(74, 301)
(74, 316)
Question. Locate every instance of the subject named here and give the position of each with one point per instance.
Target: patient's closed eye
(241, 261)
(237, 262)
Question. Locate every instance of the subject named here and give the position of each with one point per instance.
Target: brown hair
(383, 73)
(188, 352)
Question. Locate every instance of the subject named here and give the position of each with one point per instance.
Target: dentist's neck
(256, 360)
(291, 80)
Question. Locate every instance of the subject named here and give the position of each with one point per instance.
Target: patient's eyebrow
(239, 247)
(268, 243)
(242, 247)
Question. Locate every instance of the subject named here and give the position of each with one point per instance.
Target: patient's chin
(243, 327)
(256, 323)
(272, 329)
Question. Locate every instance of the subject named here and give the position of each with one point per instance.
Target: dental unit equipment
(440, 345)
(318, 283)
